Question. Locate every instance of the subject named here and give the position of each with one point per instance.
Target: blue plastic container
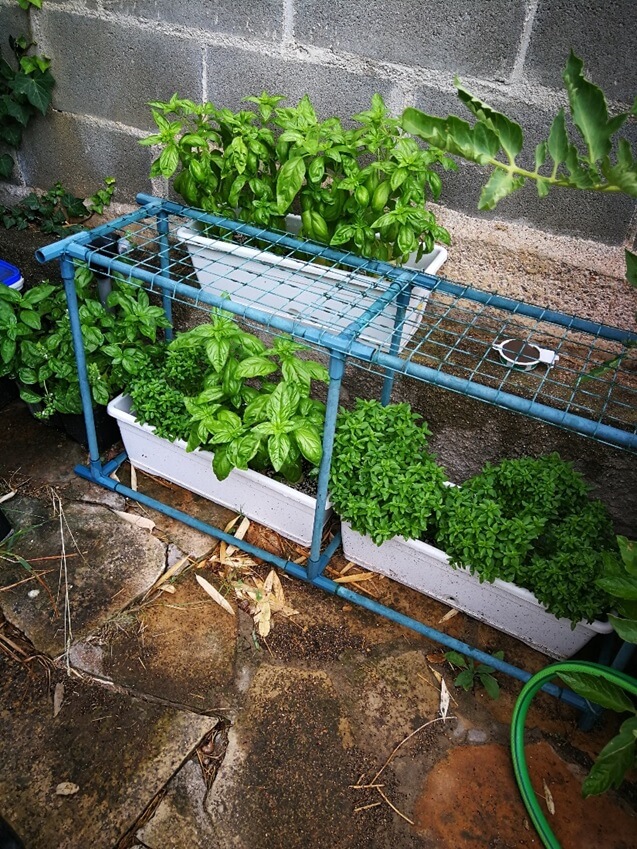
(10, 276)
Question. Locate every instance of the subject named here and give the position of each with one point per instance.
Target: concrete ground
(139, 713)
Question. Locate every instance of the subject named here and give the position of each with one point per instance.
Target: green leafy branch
(620, 753)
(496, 141)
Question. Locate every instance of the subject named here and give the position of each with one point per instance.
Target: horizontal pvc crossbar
(343, 343)
(333, 588)
(392, 272)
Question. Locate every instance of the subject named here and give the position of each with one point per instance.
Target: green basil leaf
(278, 448)
(221, 465)
(289, 182)
(615, 759)
(218, 351)
(620, 586)
(7, 349)
(37, 294)
(283, 402)
(626, 628)
(100, 393)
(31, 319)
(490, 685)
(309, 441)
(169, 160)
(257, 410)
(30, 397)
(255, 367)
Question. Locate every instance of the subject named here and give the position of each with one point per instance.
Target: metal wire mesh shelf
(385, 319)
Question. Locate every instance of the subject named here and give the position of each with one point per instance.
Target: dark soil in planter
(308, 485)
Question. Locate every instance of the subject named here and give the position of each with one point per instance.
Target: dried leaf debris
(264, 599)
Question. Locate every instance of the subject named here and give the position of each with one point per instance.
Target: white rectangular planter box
(307, 292)
(280, 507)
(505, 606)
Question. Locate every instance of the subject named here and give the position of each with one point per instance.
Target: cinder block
(111, 71)
(462, 37)
(262, 20)
(591, 215)
(81, 154)
(13, 21)
(602, 34)
(234, 73)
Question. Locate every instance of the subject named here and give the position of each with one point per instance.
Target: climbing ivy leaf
(35, 87)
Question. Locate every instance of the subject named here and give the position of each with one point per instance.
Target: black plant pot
(8, 391)
(5, 527)
(106, 428)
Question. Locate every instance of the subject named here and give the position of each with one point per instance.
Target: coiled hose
(517, 732)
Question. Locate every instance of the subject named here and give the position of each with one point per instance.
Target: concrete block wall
(109, 57)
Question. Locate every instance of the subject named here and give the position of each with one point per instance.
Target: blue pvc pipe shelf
(368, 313)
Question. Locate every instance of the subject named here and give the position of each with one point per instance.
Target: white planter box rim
(300, 290)
(260, 498)
(506, 606)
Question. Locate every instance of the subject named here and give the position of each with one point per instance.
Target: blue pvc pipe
(402, 302)
(605, 331)
(366, 353)
(333, 588)
(55, 250)
(68, 277)
(337, 369)
(164, 264)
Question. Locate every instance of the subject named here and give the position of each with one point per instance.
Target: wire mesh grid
(384, 319)
(580, 374)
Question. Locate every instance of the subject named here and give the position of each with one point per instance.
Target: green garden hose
(517, 733)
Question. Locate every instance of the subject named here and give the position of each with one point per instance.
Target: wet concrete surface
(186, 729)
(117, 750)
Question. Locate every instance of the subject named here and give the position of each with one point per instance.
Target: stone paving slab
(110, 562)
(470, 799)
(119, 751)
(190, 541)
(181, 648)
(181, 820)
(284, 780)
